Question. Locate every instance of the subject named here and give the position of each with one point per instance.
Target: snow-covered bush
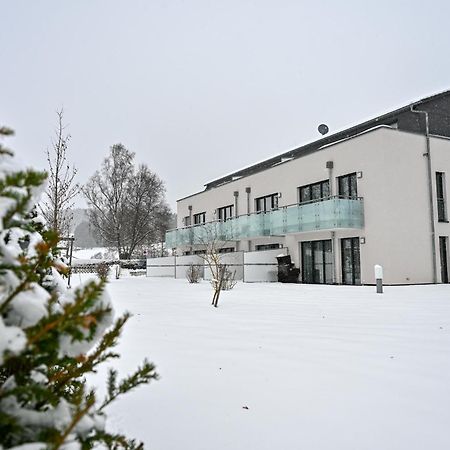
(50, 337)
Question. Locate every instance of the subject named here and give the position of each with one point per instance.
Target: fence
(250, 267)
(86, 266)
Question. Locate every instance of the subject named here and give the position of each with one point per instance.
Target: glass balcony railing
(326, 214)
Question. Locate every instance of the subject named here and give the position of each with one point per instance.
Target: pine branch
(143, 375)
(79, 414)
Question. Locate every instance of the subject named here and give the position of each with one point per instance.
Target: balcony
(327, 214)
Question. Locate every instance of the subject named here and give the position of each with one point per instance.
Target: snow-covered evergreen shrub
(50, 337)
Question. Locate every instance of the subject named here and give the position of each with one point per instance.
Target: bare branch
(57, 206)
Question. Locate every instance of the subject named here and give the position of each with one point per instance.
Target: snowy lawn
(318, 367)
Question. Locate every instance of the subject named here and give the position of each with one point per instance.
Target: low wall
(182, 264)
(251, 267)
(234, 262)
(161, 267)
(262, 266)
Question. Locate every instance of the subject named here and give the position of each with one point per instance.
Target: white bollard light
(379, 278)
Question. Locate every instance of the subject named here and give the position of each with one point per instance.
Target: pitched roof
(389, 118)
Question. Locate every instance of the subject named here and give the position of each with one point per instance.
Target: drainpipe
(430, 189)
(248, 190)
(334, 241)
(190, 222)
(236, 213)
(330, 166)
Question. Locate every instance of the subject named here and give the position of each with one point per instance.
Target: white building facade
(373, 194)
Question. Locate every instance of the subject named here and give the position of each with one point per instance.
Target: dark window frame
(309, 263)
(348, 182)
(309, 188)
(225, 213)
(441, 197)
(187, 221)
(443, 257)
(354, 248)
(226, 250)
(266, 203)
(200, 218)
(263, 247)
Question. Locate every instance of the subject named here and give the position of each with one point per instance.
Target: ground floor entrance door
(443, 250)
(317, 262)
(351, 262)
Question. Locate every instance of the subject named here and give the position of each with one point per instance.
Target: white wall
(184, 262)
(395, 190)
(234, 262)
(262, 265)
(161, 267)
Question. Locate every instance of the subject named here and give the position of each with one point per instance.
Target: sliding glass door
(351, 262)
(317, 262)
(444, 258)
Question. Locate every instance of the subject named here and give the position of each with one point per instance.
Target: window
(225, 212)
(317, 262)
(187, 221)
(199, 218)
(199, 252)
(266, 203)
(263, 247)
(226, 250)
(440, 194)
(314, 192)
(443, 244)
(351, 261)
(347, 186)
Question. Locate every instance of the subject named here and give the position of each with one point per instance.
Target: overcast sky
(202, 88)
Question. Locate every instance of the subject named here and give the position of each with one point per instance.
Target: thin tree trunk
(222, 274)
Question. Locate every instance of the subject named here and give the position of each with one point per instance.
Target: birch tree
(126, 205)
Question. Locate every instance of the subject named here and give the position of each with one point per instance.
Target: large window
(317, 262)
(266, 203)
(225, 213)
(440, 194)
(347, 186)
(443, 244)
(351, 264)
(314, 192)
(199, 218)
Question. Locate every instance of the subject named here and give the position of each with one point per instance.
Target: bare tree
(57, 205)
(214, 236)
(125, 204)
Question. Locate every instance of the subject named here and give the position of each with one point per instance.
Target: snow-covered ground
(318, 367)
(87, 255)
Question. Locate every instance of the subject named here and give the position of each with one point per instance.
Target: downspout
(430, 189)
(247, 191)
(236, 214)
(190, 224)
(334, 242)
